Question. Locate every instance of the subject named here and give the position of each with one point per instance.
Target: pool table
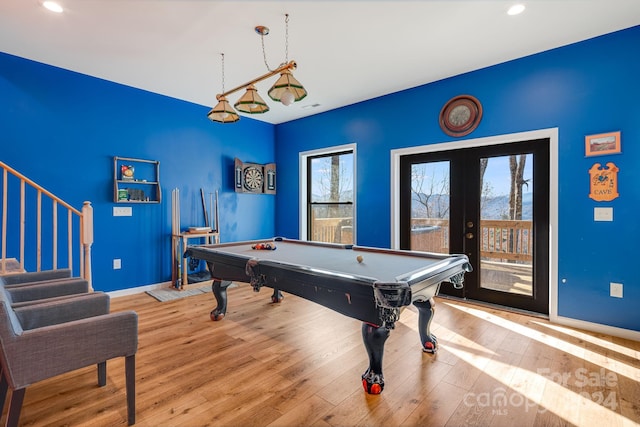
(369, 284)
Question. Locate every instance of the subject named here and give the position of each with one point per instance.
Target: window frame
(305, 184)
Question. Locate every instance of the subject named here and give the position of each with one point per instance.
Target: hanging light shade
(251, 102)
(287, 89)
(223, 112)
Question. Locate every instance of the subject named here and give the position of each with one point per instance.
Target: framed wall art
(603, 143)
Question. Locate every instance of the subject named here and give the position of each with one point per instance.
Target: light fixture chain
(264, 54)
(286, 39)
(222, 72)
(286, 44)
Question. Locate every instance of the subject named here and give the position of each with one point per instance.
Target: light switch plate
(122, 211)
(603, 214)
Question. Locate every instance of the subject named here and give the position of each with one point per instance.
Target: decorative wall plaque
(604, 182)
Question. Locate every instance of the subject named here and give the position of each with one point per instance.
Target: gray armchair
(40, 341)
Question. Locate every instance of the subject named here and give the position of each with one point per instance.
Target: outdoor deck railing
(510, 240)
(506, 240)
(332, 230)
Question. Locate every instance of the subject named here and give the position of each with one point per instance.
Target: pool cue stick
(204, 208)
(177, 281)
(180, 248)
(216, 217)
(173, 211)
(174, 249)
(213, 228)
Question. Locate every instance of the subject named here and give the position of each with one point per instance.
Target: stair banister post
(87, 240)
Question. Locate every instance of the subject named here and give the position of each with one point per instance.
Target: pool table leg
(374, 338)
(425, 310)
(219, 289)
(277, 296)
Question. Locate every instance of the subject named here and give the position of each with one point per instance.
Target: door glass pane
(506, 223)
(430, 207)
(331, 198)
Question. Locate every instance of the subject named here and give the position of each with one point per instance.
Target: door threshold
(495, 306)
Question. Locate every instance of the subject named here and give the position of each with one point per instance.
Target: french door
(490, 203)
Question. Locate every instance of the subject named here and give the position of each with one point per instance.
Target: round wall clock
(461, 115)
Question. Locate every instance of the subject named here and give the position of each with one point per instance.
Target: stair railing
(85, 234)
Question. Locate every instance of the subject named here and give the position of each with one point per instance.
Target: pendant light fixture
(223, 112)
(251, 102)
(286, 89)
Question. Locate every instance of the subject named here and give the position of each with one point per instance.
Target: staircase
(24, 230)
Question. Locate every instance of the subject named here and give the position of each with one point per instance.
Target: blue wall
(62, 129)
(582, 89)
(54, 121)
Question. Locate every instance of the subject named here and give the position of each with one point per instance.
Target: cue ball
(359, 258)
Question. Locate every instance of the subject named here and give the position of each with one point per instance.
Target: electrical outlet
(117, 264)
(122, 211)
(615, 290)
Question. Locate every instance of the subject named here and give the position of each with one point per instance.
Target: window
(330, 197)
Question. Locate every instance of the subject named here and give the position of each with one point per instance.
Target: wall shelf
(136, 180)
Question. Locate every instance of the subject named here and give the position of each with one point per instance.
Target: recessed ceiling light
(53, 6)
(516, 9)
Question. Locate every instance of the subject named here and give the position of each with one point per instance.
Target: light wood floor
(299, 364)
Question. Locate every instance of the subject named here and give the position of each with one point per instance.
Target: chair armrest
(56, 349)
(36, 276)
(53, 312)
(47, 289)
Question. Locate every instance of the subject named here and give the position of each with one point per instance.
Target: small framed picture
(126, 172)
(603, 143)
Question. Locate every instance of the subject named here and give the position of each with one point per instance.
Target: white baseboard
(138, 290)
(597, 327)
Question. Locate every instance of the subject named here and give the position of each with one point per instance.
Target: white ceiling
(347, 51)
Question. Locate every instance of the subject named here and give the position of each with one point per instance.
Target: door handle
(469, 236)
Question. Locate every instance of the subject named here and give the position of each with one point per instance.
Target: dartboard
(253, 178)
